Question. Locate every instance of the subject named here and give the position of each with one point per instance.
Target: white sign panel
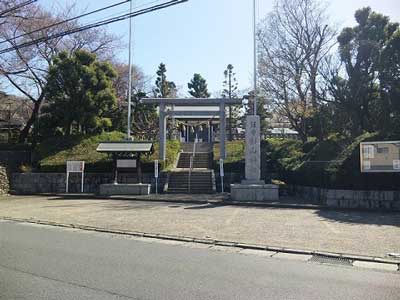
(380, 157)
(368, 151)
(367, 165)
(156, 168)
(75, 166)
(221, 167)
(126, 163)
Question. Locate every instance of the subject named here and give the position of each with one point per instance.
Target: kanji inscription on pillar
(253, 162)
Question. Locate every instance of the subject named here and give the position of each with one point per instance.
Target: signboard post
(156, 174)
(380, 157)
(221, 173)
(75, 167)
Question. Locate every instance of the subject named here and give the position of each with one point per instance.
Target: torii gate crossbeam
(195, 102)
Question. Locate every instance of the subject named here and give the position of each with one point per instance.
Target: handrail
(194, 145)
(190, 172)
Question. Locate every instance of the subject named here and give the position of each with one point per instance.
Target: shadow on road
(361, 217)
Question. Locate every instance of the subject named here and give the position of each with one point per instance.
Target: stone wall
(13, 159)
(387, 200)
(36, 183)
(4, 184)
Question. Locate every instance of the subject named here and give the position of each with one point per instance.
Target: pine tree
(230, 85)
(164, 88)
(198, 87)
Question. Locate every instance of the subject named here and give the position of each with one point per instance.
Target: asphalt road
(41, 262)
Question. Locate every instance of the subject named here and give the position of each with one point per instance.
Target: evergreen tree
(79, 93)
(368, 93)
(198, 87)
(230, 85)
(164, 88)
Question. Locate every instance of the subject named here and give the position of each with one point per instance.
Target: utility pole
(255, 55)
(132, 2)
(230, 106)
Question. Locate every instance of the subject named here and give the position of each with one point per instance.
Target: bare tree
(293, 40)
(26, 69)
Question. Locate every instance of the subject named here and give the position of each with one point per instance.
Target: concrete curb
(395, 264)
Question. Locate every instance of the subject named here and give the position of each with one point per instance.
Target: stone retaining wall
(36, 183)
(4, 183)
(13, 159)
(388, 200)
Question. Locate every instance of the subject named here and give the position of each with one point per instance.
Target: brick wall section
(4, 183)
(36, 183)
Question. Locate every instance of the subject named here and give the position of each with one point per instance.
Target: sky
(204, 36)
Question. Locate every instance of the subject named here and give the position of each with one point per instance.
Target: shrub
(52, 154)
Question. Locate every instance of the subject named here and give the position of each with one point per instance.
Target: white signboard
(126, 163)
(380, 157)
(75, 166)
(156, 169)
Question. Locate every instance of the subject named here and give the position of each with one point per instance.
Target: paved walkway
(351, 232)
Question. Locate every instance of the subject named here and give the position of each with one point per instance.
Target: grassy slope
(53, 153)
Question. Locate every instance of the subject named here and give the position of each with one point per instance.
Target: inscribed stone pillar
(253, 159)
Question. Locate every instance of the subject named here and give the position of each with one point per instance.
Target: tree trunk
(35, 112)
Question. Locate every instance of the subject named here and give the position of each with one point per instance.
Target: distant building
(280, 127)
(282, 133)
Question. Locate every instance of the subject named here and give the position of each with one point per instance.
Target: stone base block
(124, 189)
(254, 192)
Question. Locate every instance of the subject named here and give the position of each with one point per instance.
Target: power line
(65, 21)
(17, 7)
(95, 25)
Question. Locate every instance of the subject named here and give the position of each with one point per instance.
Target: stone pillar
(173, 122)
(253, 157)
(162, 131)
(222, 129)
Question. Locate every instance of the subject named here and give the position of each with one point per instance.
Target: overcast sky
(204, 36)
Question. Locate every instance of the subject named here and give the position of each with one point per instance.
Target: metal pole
(66, 183)
(255, 55)
(82, 181)
(130, 74)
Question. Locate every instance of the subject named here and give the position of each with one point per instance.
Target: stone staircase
(201, 182)
(201, 179)
(200, 160)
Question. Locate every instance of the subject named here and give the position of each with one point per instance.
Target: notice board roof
(125, 146)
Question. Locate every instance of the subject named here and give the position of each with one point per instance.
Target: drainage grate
(331, 260)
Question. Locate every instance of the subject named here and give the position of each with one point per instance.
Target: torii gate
(196, 102)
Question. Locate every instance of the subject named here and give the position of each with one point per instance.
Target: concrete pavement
(359, 233)
(42, 262)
